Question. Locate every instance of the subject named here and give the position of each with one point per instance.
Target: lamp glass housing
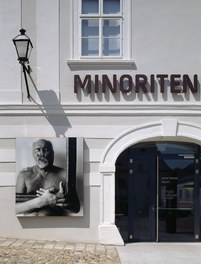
(23, 46)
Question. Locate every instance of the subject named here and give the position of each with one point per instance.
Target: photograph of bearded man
(44, 182)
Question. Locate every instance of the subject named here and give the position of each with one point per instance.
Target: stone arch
(165, 129)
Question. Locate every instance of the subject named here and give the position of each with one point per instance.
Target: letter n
(188, 83)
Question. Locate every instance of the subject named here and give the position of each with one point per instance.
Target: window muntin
(101, 28)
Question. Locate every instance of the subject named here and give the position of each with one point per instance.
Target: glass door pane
(141, 208)
(176, 198)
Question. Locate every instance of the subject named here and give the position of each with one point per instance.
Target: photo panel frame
(40, 163)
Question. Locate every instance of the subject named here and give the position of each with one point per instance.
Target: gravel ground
(32, 252)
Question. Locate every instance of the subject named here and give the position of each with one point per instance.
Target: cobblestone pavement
(16, 251)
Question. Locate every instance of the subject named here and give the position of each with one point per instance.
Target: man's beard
(42, 162)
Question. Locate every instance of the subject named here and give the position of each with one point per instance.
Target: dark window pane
(90, 27)
(90, 6)
(90, 47)
(111, 6)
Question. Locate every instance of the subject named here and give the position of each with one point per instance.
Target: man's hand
(60, 196)
(49, 197)
(60, 193)
(46, 197)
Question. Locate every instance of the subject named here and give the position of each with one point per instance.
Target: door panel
(176, 198)
(141, 207)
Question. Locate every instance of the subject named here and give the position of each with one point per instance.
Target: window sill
(90, 64)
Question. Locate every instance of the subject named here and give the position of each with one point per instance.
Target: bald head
(43, 153)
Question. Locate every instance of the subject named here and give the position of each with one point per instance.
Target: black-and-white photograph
(49, 177)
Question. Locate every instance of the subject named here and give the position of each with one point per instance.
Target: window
(101, 28)
(101, 33)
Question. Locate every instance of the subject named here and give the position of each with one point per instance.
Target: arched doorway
(157, 192)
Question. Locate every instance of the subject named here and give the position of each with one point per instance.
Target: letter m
(79, 84)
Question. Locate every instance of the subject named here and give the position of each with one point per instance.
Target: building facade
(124, 76)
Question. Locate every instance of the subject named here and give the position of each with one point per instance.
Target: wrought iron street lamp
(23, 47)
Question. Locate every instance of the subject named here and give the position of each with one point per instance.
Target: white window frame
(126, 45)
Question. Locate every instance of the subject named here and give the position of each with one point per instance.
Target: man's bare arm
(46, 199)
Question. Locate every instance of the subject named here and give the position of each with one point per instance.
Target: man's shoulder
(27, 171)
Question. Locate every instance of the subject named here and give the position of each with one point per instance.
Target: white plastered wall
(71, 229)
(164, 129)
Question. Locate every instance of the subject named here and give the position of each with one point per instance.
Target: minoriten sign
(174, 83)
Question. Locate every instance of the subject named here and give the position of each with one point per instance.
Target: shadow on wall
(56, 117)
(52, 110)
